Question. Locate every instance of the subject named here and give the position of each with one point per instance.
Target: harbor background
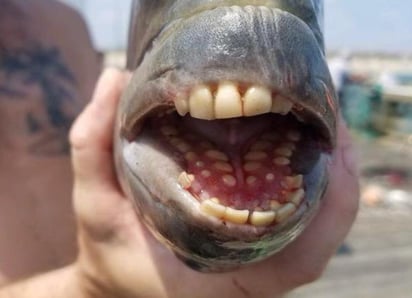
(373, 37)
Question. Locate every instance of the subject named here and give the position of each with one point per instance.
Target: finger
(91, 135)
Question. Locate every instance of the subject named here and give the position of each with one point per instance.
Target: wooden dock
(379, 264)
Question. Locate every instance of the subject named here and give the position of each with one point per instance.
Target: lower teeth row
(278, 214)
(262, 151)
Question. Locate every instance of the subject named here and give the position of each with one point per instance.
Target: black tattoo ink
(33, 124)
(36, 65)
(10, 92)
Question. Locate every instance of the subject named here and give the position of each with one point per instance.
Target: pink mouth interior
(258, 155)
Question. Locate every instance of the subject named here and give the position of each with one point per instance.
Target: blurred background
(369, 49)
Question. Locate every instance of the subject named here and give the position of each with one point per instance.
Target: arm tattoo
(44, 68)
(37, 73)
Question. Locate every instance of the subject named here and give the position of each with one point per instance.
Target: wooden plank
(380, 265)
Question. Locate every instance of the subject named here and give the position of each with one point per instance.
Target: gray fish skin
(150, 16)
(174, 45)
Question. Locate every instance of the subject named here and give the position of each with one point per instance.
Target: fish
(224, 133)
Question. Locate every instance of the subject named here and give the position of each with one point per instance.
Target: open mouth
(242, 151)
(225, 131)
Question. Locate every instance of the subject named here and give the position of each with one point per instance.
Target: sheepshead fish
(226, 128)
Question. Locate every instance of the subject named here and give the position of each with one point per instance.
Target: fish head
(224, 133)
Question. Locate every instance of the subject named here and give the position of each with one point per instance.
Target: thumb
(96, 195)
(92, 133)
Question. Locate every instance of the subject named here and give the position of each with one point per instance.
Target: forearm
(57, 284)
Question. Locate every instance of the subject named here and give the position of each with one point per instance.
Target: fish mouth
(225, 133)
(230, 154)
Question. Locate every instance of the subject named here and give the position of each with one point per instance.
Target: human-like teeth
(275, 205)
(283, 151)
(294, 136)
(190, 156)
(200, 164)
(185, 180)
(168, 130)
(213, 208)
(270, 177)
(223, 166)
(206, 173)
(262, 218)
(255, 155)
(281, 105)
(251, 180)
(297, 197)
(201, 103)
(183, 147)
(218, 155)
(257, 100)
(229, 180)
(180, 145)
(285, 211)
(281, 161)
(294, 182)
(259, 217)
(182, 105)
(236, 216)
(252, 166)
(289, 145)
(228, 103)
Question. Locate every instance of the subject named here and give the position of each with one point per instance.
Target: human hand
(120, 258)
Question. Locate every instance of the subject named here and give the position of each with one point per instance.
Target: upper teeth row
(227, 102)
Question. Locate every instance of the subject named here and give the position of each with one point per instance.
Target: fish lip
(166, 90)
(186, 232)
(161, 82)
(311, 13)
(180, 201)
